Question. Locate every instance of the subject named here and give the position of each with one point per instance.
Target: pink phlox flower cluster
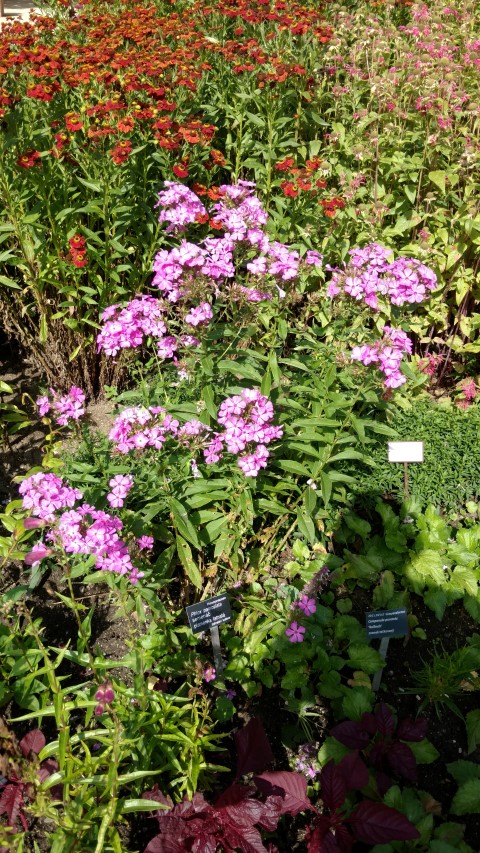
(241, 212)
(145, 543)
(44, 494)
(213, 258)
(191, 429)
(371, 272)
(86, 530)
(387, 354)
(139, 427)
(167, 347)
(179, 206)
(313, 258)
(252, 294)
(126, 327)
(201, 314)
(246, 419)
(120, 486)
(68, 407)
(306, 762)
(278, 261)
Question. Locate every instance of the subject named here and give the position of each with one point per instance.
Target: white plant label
(405, 451)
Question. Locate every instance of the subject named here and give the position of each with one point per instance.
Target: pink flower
(295, 632)
(307, 605)
(38, 552)
(43, 406)
(120, 486)
(209, 674)
(145, 543)
(202, 314)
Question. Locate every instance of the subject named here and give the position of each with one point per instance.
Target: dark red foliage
(383, 743)
(291, 787)
(34, 742)
(254, 752)
(195, 826)
(11, 803)
(370, 822)
(375, 823)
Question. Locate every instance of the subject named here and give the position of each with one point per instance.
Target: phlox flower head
(179, 206)
(126, 327)
(371, 272)
(120, 486)
(387, 354)
(44, 494)
(200, 315)
(295, 632)
(67, 407)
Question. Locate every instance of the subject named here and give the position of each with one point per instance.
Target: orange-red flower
(29, 159)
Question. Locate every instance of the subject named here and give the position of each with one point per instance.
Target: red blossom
(29, 159)
(289, 189)
(180, 170)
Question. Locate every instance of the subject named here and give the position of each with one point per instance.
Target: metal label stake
(217, 649)
(383, 652)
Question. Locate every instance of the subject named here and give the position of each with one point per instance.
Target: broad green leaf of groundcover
(424, 751)
(436, 600)
(472, 722)
(464, 580)
(357, 701)
(363, 567)
(463, 771)
(424, 569)
(467, 798)
(365, 658)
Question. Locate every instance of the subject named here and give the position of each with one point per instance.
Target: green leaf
(306, 526)
(224, 709)
(438, 178)
(365, 658)
(472, 722)
(327, 485)
(91, 185)
(183, 523)
(128, 806)
(188, 563)
(465, 580)
(467, 799)
(293, 467)
(462, 771)
(438, 846)
(246, 371)
(425, 568)
(424, 751)
(356, 701)
(331, 748)
(436, 599)
(9, 282)
(208, 398)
